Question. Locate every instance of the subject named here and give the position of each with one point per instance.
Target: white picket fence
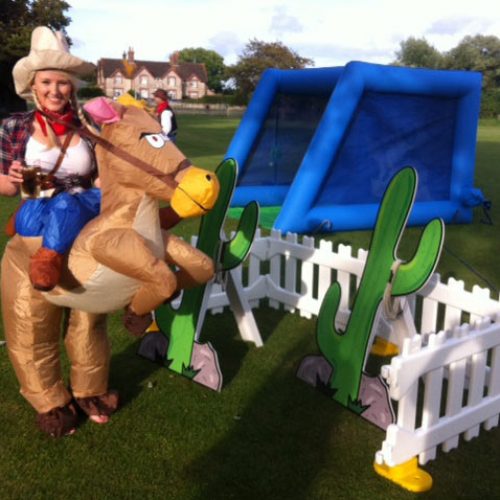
(296, 274)
(445, 382)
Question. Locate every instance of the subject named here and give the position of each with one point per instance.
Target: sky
(330, 32)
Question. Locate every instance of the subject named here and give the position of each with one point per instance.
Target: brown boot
(99, 408)
(136, 324)
(45, 269)
(58, 422)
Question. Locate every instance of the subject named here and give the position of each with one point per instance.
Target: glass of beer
(32, 175)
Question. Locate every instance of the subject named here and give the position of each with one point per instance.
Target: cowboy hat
(161, 94)
(49, 50)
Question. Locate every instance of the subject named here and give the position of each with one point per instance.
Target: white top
(77, 159)
(166, 121)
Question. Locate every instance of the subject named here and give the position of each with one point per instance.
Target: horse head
(134, 157)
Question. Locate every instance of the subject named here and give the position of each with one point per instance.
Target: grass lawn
(266, 435)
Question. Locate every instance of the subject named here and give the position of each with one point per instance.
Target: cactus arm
(413, 275)
(236, 250)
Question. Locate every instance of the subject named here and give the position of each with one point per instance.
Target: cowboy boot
(99, 408)
(45, 269)
(58, 422)
(137, 324)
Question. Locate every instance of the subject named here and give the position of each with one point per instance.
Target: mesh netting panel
(278, 151)
(389, 132)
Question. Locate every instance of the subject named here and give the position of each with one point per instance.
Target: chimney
(174, 58)
(130, 55)
(124, 55)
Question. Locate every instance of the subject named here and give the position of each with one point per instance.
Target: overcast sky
(331, 32)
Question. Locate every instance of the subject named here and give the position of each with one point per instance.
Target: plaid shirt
(14, 134)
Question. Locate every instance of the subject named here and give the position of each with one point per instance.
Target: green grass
(267, 435)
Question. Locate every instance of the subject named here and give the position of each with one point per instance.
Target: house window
(194, 84)
(172, 81)
(144, 80)
(118, 80)
(117, 92)
(144, 93)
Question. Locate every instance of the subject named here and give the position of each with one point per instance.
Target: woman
(165, 115)
(45, 138)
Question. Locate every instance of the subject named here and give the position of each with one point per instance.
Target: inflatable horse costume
(121, 258)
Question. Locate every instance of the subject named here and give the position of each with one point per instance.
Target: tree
(18, 18)
(474, 53)
(478, 53)
(213, 62)
(257, 56)
(417, 52)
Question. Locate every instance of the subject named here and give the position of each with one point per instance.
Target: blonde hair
(73, 100)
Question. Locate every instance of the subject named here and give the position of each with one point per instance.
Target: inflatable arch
(321, 144)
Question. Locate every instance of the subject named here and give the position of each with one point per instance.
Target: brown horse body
(120, 258)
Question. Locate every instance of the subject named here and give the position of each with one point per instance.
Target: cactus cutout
(180, 324)
(346, 351)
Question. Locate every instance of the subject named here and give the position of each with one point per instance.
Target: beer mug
(36, 184)
(30, 188)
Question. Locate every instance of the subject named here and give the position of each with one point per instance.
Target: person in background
(47, 138)
(165, 115)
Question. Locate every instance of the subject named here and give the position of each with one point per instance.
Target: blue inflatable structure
(322, 144)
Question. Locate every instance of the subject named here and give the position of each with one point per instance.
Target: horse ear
(104, 111)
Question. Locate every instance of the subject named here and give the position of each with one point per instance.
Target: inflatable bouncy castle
(317, 147)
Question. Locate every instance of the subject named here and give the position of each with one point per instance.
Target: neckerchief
(58, 121)
(161, 108)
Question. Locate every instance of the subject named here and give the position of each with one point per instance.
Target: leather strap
(168, 179)
(60, 158)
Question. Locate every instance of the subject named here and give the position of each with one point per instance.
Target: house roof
(156, 68)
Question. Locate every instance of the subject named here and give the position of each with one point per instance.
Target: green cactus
(346, 350)
(180, 324)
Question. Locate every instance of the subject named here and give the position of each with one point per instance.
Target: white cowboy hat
(49, 50)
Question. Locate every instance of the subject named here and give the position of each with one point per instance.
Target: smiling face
(53, 89)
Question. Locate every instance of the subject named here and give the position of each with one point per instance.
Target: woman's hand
(15, 174)
(11, 182)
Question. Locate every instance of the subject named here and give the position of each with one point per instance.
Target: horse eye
(155, 140)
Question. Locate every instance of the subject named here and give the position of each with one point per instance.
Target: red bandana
(67, 116)
(161, 107)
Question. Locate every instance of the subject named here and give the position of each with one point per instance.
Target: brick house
(117, 76)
